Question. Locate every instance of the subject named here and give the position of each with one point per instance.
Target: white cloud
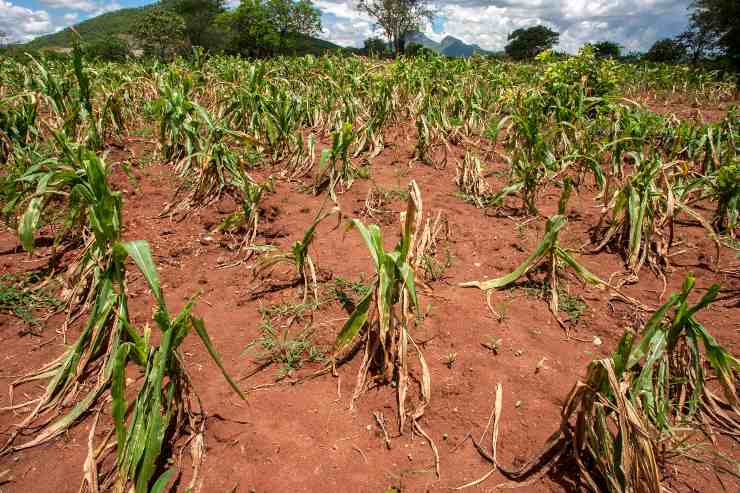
(92, 7)
(22, 24)
(78, 5)
(635, 24)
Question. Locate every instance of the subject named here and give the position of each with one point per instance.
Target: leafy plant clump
(635, 410)
(382, 319)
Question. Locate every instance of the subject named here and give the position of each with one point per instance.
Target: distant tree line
(255, 28)
(262, 28)
(713, 34)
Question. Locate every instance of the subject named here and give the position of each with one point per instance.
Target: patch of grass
(433, 268)
(573, 306)
(19, 298)
(347, 292)
(359, 288)
(389, 195)
(286, 309)
(534, 289)
(288, 352)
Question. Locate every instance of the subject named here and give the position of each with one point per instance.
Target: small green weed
(573, 306)
(19, 298)
(391, 194)
(433, 268)
(286, 309)
(288, 352)
(343, 290)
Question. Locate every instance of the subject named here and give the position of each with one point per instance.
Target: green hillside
(120, 22)
(108, 24)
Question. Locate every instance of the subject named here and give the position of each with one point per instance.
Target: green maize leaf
(643, 385)
(325, 158)
(565, 195)
(373, 239)
(663, 405)
(140, 345)
(652, 326)
(155, 429)
(580, 269)
(161, 483)
(181, 324)
(554, 224)
(355, 322)
(694, 400)
(200, 329)
(118, 391)
(636, 208)
(43, 183)
(141, 254)
(505, 192)
(407, 274)
(705, 300)
(621, 355)
(386, 293)
(29, 222)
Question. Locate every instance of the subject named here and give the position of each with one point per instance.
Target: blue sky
(636, 24)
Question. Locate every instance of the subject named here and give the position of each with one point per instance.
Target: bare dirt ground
(303, 437)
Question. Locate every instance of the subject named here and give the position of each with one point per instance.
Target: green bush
(110, 49)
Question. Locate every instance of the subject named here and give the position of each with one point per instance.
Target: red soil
(303, 437)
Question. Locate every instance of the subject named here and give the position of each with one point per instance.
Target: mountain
(449, 46)
(119, 23)
(421, 39)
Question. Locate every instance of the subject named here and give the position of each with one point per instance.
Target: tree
(109, 48)
(397, 18)
(374, 46)
(259, 28)
(719, 20)
(607, 49)
(160, 33)
(528, 42)
(665, 51)
(3, 39)
(249, 29)
(199, 17)
(696, 42)
(291, 19)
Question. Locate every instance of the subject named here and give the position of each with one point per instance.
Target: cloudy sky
(635, 24)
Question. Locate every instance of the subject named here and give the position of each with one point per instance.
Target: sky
(635, 24)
